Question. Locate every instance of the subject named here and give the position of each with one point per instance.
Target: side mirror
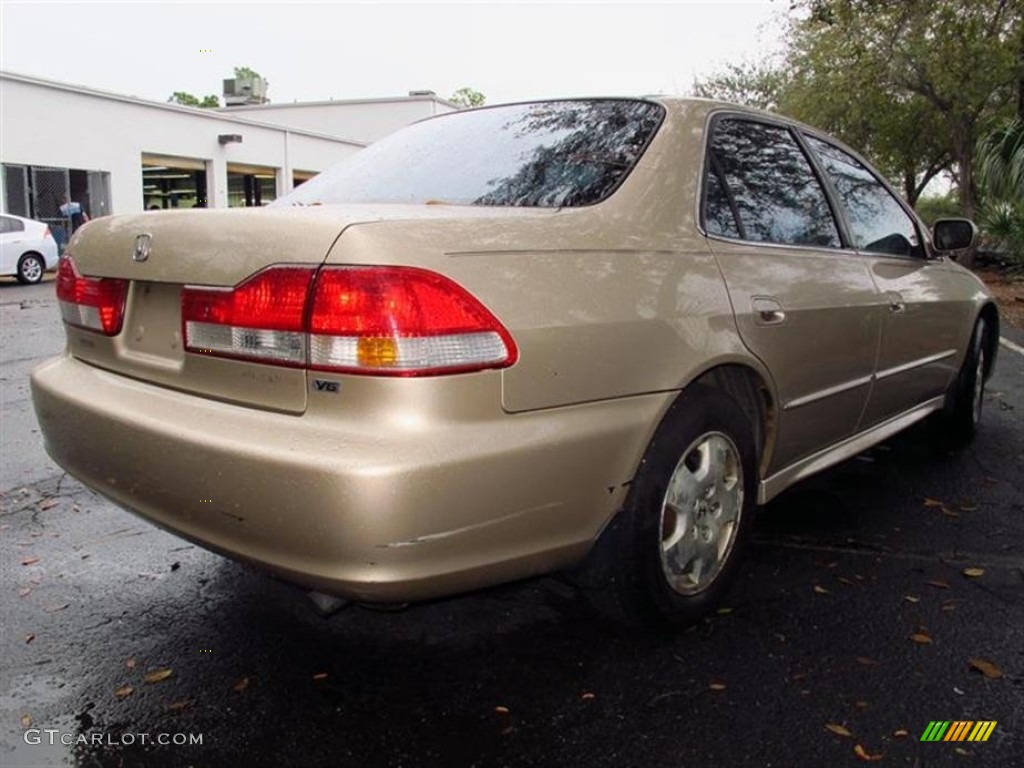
(953, 234)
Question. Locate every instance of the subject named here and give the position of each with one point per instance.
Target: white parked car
(27, 248)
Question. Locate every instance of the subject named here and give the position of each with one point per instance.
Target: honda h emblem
(143, 244)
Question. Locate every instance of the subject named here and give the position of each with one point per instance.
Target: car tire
(671, 553)
(967, 393)
(30, 269)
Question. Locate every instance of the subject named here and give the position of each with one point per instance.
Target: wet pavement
(853, 611)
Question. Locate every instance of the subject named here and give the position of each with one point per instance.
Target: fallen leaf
(949, 512)
(717, 686)
(838, 730)
(938, 584)
(933, 502)
(844, 580)
(320, 676)
(961, 751)
(723, 611)
(75, 508)
(158, 675)
(867, 661)
(56, 608)
(26, 720)
(29, 638)
(242, 684)
(820, 589)
(129, 663)
(501, 710)
(973, 573)
(124, 692)
(177, 706)
(900, 734)
(864, 755)
(587, 696)
(921, 638)
(912, 599)
(964, 508)
(861, 705)
(49, 504)
(987, 668)
(25, 592)
(29, 560)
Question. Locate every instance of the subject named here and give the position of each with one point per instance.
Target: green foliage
(938, 207)
(188, 100)
(756, 84)
(467, 97)
(911, 83)
(1003, 222)
(245, 73)
(1001, 176)
(1001, 160)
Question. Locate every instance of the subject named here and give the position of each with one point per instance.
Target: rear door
(805, 305)
(925, 306)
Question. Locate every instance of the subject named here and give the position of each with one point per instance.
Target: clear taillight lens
(262, 318)
(393, 321)
(96, 303)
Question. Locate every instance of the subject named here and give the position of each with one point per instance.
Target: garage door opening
(251, 185)
(173, 182)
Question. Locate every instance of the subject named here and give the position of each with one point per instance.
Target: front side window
(547, 154)
(761, 185)
(878, 223)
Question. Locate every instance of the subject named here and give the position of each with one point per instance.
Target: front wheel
(964, 402)
(30, 269)
(673, 550)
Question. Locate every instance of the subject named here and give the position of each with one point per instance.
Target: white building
(363, 120)
(116, 153)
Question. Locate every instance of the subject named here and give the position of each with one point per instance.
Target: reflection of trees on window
(574, 153)
(553, 154)
(878, 222)
(775, 195)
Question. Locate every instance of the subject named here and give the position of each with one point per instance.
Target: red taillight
(262, 318)
(397, 321)
(96, 303)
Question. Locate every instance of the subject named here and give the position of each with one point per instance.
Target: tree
(959, 59)
(756, 84)
(245, 73)
(913, 83)
(188, 100)
(1001, 178)
(467, 98)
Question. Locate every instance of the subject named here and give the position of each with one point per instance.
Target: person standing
(74, 213)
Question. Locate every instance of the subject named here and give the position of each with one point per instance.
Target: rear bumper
(408, 506)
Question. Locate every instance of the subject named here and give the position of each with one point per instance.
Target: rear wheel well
(751, 392)
(991, 341)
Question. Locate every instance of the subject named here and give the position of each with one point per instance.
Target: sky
(347, 50)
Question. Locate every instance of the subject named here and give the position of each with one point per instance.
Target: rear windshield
(549, 154)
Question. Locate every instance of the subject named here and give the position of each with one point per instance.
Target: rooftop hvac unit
(245, 90)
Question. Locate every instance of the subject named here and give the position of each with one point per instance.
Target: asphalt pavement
(878, 597)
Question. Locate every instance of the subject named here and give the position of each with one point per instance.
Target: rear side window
(761, 187)
(878, 223)
(548, 154)
(7, 224)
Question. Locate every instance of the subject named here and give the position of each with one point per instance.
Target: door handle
(896, 303)
(767, 311)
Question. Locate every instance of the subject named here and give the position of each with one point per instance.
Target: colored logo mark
(958, 730)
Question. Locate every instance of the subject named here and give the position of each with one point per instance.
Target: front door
(925, 306)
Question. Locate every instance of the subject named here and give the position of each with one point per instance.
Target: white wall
(364, 121)
(52, 124)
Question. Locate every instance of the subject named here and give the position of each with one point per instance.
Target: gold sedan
(581, 335)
